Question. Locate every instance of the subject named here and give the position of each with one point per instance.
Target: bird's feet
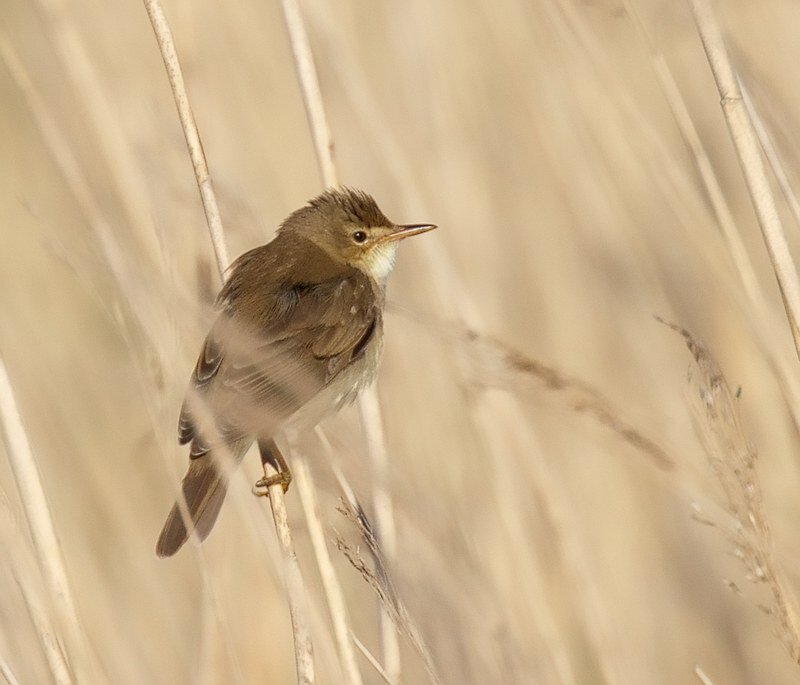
(262, 486)
(270, 454)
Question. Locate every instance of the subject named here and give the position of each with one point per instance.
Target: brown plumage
(299, 331)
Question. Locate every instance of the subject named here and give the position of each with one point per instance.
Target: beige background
(544, 549)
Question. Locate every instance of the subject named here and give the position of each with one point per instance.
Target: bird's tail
(204, 487)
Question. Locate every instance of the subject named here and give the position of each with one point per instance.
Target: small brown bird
(299, 332)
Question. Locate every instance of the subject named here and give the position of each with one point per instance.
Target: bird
(298, 332)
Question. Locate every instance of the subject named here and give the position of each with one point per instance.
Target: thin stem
(7, 672)
(190, 132)
(312, 95)
(59, 147)
(293, 578)
(746, 144)
(330, 583)
(295, 588)
(691, 137)
(40, 521)
(373, 661)
(369, 408)
(48, 637)
(369, 411)
(764, 316)
(82, 72)
(702, 677)
(772, 155)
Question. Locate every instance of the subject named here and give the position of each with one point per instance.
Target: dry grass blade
(134, 318)
(7, 672)
(40, 521)
(368, 405)
(312, 95)
(369, 411)
(60, 148)
(733, 460)
(722, 211)
(702, 677)
(772, 155)
(49, 640)
(505, 431)
(372, 660)
(333, 591)
(496, 364)
(83, 73)
(353, 510)
(746, 143)
(380, 581)
(390, 645)
(293, 577)
(24, 573)
(716, 196)
(190, 132)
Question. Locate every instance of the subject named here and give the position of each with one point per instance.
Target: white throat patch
(379, 261)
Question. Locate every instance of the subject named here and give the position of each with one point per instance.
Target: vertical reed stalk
(369, 409)
(293, 579)
(40, 522)
(746, 143)
(330, 583)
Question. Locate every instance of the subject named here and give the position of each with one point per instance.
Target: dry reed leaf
(497, 364)
(380, 581)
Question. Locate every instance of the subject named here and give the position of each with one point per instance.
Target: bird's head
(350, 227)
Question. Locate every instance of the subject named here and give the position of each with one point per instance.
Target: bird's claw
(262, 486)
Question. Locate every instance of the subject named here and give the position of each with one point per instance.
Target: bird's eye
(359, 236)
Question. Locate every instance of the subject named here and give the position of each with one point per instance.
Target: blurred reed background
(548, 474)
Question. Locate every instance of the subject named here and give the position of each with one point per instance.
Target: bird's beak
(406, 231)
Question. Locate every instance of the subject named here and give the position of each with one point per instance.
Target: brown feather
(203, 487)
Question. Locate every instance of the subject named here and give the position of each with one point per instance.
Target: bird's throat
(379, 261)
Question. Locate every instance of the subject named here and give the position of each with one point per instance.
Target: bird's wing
(205, 370)
(247, 377)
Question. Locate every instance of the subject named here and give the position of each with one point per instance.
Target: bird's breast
(342, 388)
